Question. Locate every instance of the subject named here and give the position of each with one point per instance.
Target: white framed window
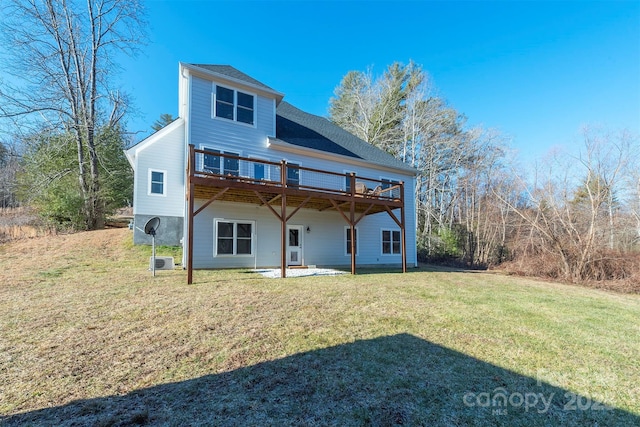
(347, 240)
(157, 182)
(245, 108)
(231, 104)
(233, 237)
(215, 162)
(391, 242)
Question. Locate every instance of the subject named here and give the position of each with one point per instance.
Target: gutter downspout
(185, 87)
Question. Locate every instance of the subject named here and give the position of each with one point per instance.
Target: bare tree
(62, 62)
(483, 182)
(400, 113)
(436, 148)
(575, 212)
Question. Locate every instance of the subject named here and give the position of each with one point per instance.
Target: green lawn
(88, 337)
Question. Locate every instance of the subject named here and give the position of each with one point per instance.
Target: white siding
(324, 245)
(163, 153)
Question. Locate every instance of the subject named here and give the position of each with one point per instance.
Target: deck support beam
(300, 206)
(403, 230)
(283, 219)
(211, 200)
(190, 202)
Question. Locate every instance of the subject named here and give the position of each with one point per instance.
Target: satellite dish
(151, 227)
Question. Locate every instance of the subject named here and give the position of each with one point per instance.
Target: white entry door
(294, 245)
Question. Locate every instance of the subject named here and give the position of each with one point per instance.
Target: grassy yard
(88, 337)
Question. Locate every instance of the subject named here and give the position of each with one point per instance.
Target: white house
(245, 179)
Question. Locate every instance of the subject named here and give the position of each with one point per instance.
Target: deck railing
(227, 166)
(210, 168)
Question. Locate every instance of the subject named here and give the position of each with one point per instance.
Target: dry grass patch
(19, 223)
(87, 336)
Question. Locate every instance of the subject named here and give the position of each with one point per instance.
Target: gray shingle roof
(229, 71)
(296, 127)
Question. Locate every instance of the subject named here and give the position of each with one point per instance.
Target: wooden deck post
(283, 219)
(190, 197)
(403, 230)
(352, 223)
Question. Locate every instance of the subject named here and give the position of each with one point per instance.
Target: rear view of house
(244, 179)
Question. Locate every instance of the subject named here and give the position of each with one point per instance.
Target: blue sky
(537, 71)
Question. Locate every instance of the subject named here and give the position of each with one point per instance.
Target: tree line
(574, 216)
(66, 118)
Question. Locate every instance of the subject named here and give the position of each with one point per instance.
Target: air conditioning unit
(162, 263)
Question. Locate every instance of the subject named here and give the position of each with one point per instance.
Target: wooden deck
(285, 189)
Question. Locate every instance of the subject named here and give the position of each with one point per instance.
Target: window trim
(391, 231)
(150, 183)
(345, 241)
(235, 223)
(235, 105)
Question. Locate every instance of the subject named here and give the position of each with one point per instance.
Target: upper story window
(157, 182)
(224, 103)
(244, 108)
(234, 105)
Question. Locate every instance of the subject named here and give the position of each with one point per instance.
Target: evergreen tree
(163, 121)
(373, 109)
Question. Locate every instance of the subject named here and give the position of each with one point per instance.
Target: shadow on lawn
(394, 380)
